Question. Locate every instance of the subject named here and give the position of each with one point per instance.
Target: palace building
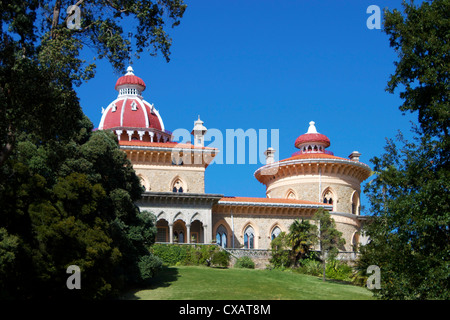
(173, 177)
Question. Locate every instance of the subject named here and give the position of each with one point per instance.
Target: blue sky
(270, 64)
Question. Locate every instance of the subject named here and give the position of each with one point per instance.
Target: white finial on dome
(312, 128)
(130, 70)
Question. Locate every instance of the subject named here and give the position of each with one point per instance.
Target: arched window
(355, 241)
(328, 197)
(221, 236)
(178, 186)
(249, 238)
(275, 233)
(355, 203)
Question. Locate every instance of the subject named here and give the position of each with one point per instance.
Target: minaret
(199, 133)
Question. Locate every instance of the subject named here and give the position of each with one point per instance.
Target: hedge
(173, 254)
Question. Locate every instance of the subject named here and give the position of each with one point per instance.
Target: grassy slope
(202, 283)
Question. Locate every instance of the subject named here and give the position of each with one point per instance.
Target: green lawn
(203, 283)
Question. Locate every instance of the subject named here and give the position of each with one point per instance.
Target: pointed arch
(290, 194)
(222, 234)
(275, 231)
(178, 184)
(145, 183)
(329, 197)
(250, 236)
(355, 240)
(179, 216)
(162, 216)
(354, 200)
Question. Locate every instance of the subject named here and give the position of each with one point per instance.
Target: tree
(280, 251)
(289, 249)
(72, 204)
(41, 58)
(329, 238)
(409, 226)
(301, 238)
(420, 36)
(67, 194)
(409, 195)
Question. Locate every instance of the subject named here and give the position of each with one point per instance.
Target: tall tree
(41, 57)
(409, 195)
(67, 194)
(420, 35)
(72, 204)
(329, 238)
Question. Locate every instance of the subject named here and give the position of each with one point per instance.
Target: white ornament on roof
(312, 127)
(130, 71)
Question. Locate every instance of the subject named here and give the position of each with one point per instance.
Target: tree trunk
(7, 149)
(56, 13)
(324, 268)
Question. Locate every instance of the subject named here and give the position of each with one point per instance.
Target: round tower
(316, 174)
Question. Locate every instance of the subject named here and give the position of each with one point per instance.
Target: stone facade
(308, 189)
(173, 178)
(263, 222)
(164, 178)
(186, 214)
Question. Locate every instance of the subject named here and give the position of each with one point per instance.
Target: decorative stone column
(119, 133)
(188, 233)
(130, 133)
(171, 232)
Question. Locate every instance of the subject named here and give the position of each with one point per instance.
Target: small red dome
(312, 137)
(130, 79)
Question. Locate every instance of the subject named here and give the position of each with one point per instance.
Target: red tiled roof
(161, 144)
(313, 156)
(268, 200)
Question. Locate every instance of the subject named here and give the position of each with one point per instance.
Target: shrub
(175, 254)
(339, 270)
(170, 253)
(148, 266)
(280, 252)
(310, 266)
(244, 262)
(220, 258)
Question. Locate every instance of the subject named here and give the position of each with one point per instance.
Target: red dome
(310, 138)
(130, 113)
(130, 79)
(130, 110)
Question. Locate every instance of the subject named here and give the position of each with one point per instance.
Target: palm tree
(302, 236)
